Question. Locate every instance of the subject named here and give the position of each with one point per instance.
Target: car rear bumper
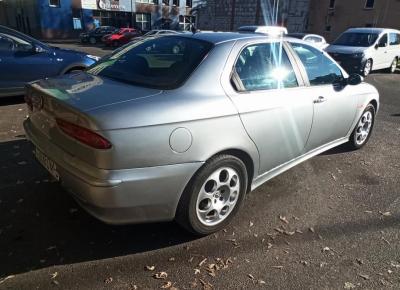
(119, 196)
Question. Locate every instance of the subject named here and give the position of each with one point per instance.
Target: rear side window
(394, 39)
(265, 66)
(162, 63)
(320, 69)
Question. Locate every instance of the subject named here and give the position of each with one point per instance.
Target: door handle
(320, 99)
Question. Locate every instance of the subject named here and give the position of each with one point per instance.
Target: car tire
(92, 40)
(367, 68)
(213, 196)
(393, 66)
(363, 130)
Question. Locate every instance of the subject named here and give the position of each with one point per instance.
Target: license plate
(47, 163)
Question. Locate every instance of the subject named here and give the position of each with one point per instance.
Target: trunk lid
(84, 92)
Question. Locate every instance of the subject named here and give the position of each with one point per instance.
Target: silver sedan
(182, 127)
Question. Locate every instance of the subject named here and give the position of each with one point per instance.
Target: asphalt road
(329, 223)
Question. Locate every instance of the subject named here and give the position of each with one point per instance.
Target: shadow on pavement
(41, 225)
(6, 101)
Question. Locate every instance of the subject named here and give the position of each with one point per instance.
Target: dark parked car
(94, 36)
(24, 59)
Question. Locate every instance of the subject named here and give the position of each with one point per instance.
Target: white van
(362, 50)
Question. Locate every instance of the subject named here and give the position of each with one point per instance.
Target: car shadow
(41, 225)
(337, 150)
(5, 101)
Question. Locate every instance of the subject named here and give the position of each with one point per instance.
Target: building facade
(331, 17)
(228, 15)
(67, 18)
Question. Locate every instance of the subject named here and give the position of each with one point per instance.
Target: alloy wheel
(393, 66)
(218, 196)
(363, 128)
(367, 67)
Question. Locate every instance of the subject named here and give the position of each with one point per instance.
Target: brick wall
(217, 14)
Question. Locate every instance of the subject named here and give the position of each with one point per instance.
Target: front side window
(383, 40)
(265, 66)
(162, 63)
(360, 39)
(320, 69)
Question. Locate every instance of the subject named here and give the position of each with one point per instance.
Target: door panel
(276, 113)
(382, 57)
(333, 116)
(279, 123)
(334, 105)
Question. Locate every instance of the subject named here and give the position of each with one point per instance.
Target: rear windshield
(360, 39)
(162, 63)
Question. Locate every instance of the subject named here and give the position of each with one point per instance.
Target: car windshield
(162, 63)
(360, 39)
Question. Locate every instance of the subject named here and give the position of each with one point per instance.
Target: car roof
(219, 37)
(5, 29)
(370, 29)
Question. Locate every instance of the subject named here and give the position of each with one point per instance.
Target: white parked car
(317, 40)
(362, 50)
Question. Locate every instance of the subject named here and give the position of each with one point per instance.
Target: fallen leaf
(150, 268)
(289, 233)
(365, 277)
(349, 285)
(171, 259)
(166, 285)
(202, 262)
(196, 271)
(251, 224)
(160, 275)
(326, 249)
(388, 213)
(311, 229)
(284, 219)
(108, 280)
(368, 211)
(250, 276)
(395, 264)
(269, 246)
(53, 275)
(55, 282)
(261, 282)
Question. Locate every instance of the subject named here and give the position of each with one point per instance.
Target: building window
(189, 3)
(143, 21)
(54, 3)
(147, 1)
(328, 28)
(175, 3)
(332, 4)
(165, 2)
(77, 23)
(369, 4)
(185, 22)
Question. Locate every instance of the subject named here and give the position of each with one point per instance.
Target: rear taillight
(83, 135)
(28, 101)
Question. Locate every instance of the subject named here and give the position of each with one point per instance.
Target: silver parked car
(182, 127)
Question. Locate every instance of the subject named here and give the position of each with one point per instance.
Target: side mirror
(37, 49)
(377, 46)
(355, 79)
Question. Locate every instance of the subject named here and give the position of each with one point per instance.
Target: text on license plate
(47, 163)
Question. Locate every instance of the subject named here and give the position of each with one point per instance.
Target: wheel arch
(75, 66)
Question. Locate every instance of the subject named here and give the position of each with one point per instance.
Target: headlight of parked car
(358, 55)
